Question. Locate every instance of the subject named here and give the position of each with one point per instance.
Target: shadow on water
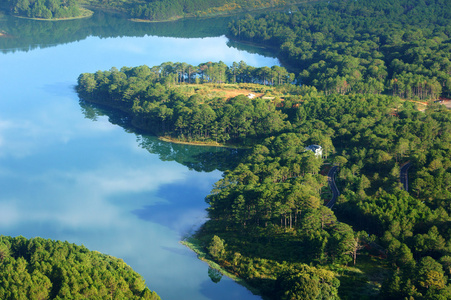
(214, 275)
(253, 48)
(212, 291)
(198, 158)
(183, 213)
(25, 35)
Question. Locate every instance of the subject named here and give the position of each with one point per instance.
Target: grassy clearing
(229, 90)
(364, 280)
(199, 143)
(195, 143)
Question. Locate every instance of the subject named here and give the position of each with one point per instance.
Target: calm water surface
(64, 176)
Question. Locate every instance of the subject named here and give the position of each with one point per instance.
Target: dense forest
(171, 99)
(267, 221)
(268, 210)
(46, 9)
(163, 10)
(171, 9)
(364, 67)
(157, 10)
(44, 269)
(398, 47)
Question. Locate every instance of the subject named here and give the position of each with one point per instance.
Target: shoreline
(195, 143)
(225, 14)
(166, 139)
(199, 143)
(193, 244)
(136, 20)
(86, 13)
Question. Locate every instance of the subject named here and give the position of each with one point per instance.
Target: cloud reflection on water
(66, 177)
(95, 207)
(82, 198)
(10, 145)
(185, 201)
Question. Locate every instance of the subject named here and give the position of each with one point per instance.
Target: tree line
(156, 10)
(161, 100)
(166, 9)
(269, 211)
(163, 10)
(45, 9)
(38, 268)
(270, 206)
(398, 47)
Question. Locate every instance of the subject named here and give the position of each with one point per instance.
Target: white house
(318, 150)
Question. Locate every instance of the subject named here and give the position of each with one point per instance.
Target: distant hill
(163, 10)
(48, 10)
(40, 268)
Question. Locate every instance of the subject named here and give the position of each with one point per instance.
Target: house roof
(313, 148)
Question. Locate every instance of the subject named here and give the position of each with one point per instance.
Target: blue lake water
(64, 176)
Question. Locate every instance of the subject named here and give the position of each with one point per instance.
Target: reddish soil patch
(233, 93)
(4, 35)
(415, 101)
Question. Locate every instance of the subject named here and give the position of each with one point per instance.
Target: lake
(69, 174)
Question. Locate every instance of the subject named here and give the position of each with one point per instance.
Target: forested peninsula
(46, 9)
(267, 221)
(190, 103)
(371, 74)
(167, 10)
(157, 10)
(38, 268)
